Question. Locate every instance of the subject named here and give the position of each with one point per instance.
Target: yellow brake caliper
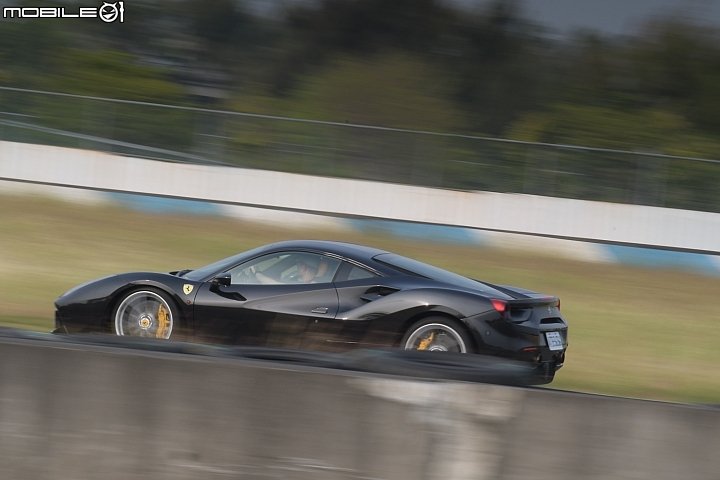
(163, 317)
(426, 341)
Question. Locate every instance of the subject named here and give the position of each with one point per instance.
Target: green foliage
(598, 126)
(646, 129)
(393, 90)
(605, 176)
(369, 25)
(495, 66)
(108, 74)
(25, 48)
(112, 74)
(414, 64)
(220, 21)
(682, 65)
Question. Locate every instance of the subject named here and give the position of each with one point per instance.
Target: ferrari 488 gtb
(327, 296)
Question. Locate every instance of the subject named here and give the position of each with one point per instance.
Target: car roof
(348, 250)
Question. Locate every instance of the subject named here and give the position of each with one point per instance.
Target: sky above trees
(563, 17)
(615, 17)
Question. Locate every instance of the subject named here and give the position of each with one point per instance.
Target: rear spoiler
(530, 302)
(515, 292)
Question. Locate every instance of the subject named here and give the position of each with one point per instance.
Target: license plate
(554, 340)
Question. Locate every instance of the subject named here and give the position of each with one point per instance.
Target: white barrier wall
(515, 213)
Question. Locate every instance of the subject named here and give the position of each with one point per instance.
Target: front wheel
(146, 313)
(437, 334)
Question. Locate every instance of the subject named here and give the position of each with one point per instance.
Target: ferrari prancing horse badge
(187, 289)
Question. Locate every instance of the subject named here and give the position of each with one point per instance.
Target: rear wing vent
(378, 291)
(381, 290)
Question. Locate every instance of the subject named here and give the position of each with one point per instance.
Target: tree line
(419, 64)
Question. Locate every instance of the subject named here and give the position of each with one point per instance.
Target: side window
(285, 268)
(358, 273)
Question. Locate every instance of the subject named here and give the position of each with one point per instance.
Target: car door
(264, 302)
(356, 287)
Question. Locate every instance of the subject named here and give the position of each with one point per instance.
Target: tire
(148, 313)
(437, 334)
(545, 373)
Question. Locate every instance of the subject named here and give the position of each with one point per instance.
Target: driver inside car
(307, 270)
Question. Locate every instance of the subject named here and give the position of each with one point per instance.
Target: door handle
(319, 310)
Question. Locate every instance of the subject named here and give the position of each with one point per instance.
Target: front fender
(181, 290)
(82, 309)
(88, 307)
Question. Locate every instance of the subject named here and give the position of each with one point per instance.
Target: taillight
(558, 304)
(500, 305)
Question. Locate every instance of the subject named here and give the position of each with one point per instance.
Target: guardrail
(435, 159)
(89, 411)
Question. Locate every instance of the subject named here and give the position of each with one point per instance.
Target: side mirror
(222, 279)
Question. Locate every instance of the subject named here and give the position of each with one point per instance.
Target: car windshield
(435, 273)
(221, 265)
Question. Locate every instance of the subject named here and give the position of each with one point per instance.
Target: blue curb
(151, 204)
(652, 258)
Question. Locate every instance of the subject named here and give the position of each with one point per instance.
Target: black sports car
(320, 295)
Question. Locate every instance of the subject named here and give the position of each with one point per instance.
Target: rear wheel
(437, 334)
(146, 313)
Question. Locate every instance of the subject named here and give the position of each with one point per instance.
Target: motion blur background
(644, 104)
(609, 101)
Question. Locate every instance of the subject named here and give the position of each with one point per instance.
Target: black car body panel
(366, 302)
